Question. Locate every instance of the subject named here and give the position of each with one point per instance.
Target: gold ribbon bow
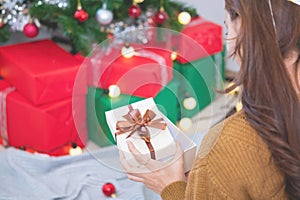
(136, 123)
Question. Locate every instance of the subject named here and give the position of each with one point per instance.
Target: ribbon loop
(125, 126)
(136, 123)
(148, 116)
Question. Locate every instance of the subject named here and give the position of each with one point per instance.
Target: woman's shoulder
(236, 158)
(235, 131)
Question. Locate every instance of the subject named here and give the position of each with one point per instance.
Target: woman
(255, 154)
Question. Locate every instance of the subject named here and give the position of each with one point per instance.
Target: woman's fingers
(126, 166)
(135, 178)
(150, 163)
(156, 175)
(133, 169)
(143, 160)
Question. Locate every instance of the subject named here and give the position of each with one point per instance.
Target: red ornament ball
(160, 17)
(134, 11)
(108, 189)
(30, 30)
(1, 24)
(81, 15)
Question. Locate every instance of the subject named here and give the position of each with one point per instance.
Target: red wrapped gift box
(200, 38)
(41, 71)
(49, 128)
(142, 75)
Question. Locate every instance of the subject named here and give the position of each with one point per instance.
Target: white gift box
(163, 141)
(187, 145)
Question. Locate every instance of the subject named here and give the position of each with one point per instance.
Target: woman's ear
(290, 61)
(291, 58)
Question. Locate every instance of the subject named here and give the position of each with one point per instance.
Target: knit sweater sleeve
(176, 190)
(233, 163)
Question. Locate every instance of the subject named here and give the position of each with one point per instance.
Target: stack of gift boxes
(138, 77)
(36, 98)
(181, 87)
(40, 110)
(199, 66)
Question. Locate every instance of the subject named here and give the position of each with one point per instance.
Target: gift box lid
(201, 35)
(188, 146)
(142, 75)
(161, 138)
(112, 116)
(41, 71)
(43, 56)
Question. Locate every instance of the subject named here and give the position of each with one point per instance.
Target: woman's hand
(154, 174)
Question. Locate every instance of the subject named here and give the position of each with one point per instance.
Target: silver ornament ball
(104, 16)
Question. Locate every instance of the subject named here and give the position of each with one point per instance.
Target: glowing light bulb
(127, 51)
(189, 103)
(238, 106)
(235, 91)
(174, 55)
(75, 150)
(185, 124)
(114, 91)
(138, 1)
(184, 18)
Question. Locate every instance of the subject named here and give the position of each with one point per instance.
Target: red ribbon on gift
(136, 123)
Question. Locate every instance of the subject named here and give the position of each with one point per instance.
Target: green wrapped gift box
(98, 102)
(220, 61)
(198, 80)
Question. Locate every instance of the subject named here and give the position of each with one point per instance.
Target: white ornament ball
(189, 103)
(104, 16)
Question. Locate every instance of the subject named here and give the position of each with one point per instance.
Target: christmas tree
(86, 22)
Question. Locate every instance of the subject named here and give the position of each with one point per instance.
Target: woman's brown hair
(269, 99)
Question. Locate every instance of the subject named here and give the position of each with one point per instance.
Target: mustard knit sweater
(233, 162)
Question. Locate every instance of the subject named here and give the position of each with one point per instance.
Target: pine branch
(5, 33)
(83, 35)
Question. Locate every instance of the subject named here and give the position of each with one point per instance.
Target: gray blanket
(39, 177)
